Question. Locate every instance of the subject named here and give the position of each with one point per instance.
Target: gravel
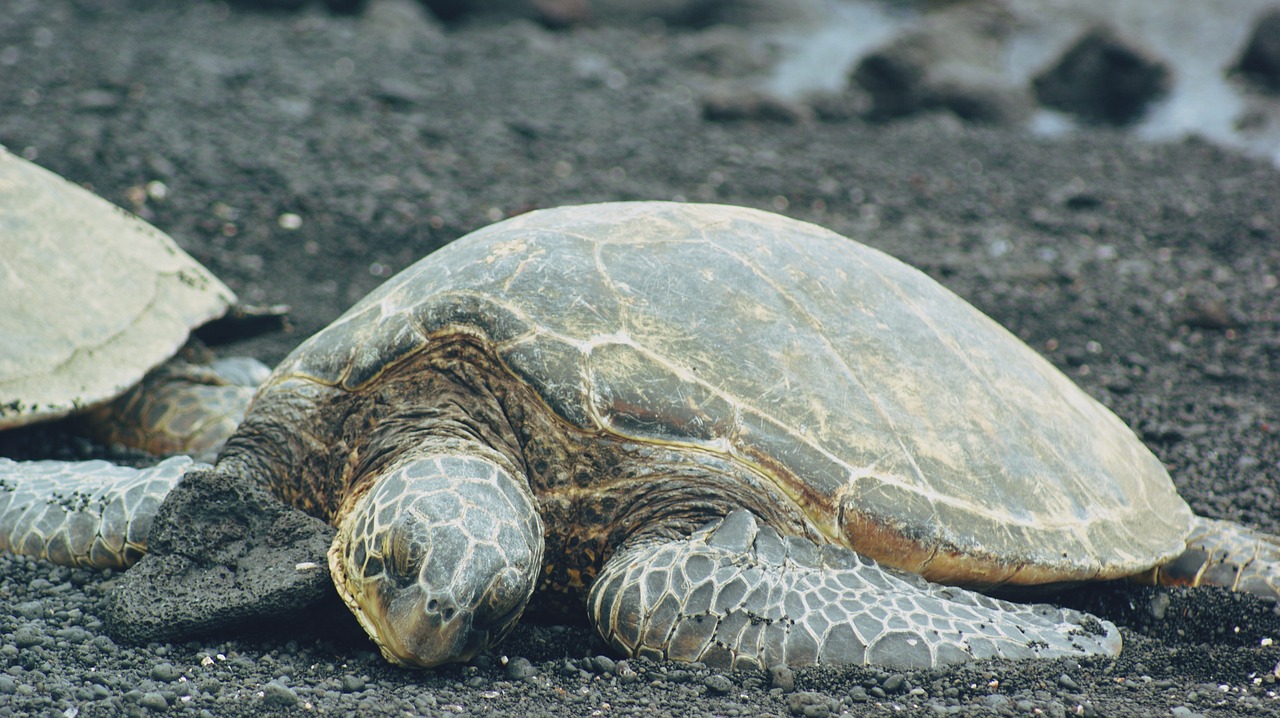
(305, 157)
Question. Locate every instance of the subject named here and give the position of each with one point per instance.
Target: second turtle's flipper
(82, 513)
(736, 594)
(1224, 553)
(180, 408)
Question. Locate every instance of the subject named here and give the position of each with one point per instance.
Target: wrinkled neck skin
(321, 448)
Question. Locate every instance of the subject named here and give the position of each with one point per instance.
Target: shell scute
(565, 390)
(637, 394)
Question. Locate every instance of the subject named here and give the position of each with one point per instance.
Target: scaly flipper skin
(82, 513)
(180, 408)
(1224, 553)
(736, 594)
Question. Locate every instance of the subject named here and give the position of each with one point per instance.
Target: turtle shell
(93, 297)
(902, 421)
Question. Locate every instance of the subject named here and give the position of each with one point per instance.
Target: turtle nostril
(446, 610)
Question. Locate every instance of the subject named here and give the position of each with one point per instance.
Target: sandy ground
(1147, 272)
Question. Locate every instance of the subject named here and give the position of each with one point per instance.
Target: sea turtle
(104, 299)
(739, 438)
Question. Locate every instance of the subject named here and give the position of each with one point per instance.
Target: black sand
(1148, 273)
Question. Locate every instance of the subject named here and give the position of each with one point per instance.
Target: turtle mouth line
(499, 625)
(372, 625)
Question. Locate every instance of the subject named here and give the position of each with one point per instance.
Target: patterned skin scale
(90, 513)
(740, 438)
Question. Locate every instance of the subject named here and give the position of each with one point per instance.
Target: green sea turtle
(737, 438)
(105, 304)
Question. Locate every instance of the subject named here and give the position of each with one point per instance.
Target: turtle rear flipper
(736, 594)
(180, 407)
(1224, 553)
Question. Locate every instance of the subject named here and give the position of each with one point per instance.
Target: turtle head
(439, 559)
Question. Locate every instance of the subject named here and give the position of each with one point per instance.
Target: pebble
(1068, 682)
(165, 672)
(30, 609)
(718, 684)
(782, 677)
(278, 694)
(519, 669)
(894, 683)
(154, 701)
(353, 684)
(808, 704)
(27, 637)
(996, 702)
(604, 665)
(627, 674)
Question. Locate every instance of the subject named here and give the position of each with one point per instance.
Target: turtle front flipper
(89, 513)
(736, 594)
(1224, 553)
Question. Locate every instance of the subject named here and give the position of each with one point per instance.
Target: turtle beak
(425, 628)
(426, 631)
(398, 621)
(414, 626)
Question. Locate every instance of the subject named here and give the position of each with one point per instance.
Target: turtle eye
(402, 558)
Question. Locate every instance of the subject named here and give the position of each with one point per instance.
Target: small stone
(519, 669)
(997, 702)
(718, 684)
(1260, 61)
(1159, 606)
(352, 684)
(1068, 682)
(25, 637)
(808, 704)
(1185, 712)
(679, 675)
(1103, 79)
(165, 672)
(154, 701)
(30, 609)
(603, 665)
(782, 677)
(627, 674)
(894, 683)
(278, 694)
